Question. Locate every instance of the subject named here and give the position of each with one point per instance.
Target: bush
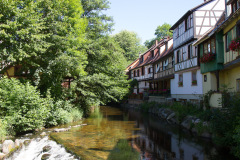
(22, 106)
(3, 130)
(63, 112)
(236, 138)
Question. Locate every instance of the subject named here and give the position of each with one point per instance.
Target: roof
(188, 13)
(165, 53)
(148, 59)
(227, 20)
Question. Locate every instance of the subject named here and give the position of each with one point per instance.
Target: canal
(115, 134)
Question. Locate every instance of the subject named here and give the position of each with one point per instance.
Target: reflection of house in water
(157, 142)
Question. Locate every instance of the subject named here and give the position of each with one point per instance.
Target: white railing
(146, 76)
(193, 62)
(183, 38)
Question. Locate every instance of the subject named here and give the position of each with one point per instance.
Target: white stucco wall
(187, 88)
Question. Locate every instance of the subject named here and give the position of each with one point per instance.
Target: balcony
(189, 63)
(163, 74)
(144, 77)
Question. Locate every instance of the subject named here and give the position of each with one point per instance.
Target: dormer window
(141, 59)
(152, 53)
(166, 46)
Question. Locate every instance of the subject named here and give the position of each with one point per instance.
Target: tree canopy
(160, 32)
(130, 43)
(54, 40)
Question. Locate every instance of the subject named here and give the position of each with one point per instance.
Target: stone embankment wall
(191, 123)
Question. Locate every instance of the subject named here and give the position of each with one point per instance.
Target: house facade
(230, 75)
(187, 84)
(163, 65)
(220, 64)
(144, 69)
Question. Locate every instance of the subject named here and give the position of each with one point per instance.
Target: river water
(114, 134)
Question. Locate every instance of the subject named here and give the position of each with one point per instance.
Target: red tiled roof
(148, 59)
(165, 53)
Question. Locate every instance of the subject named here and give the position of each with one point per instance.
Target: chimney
(156, 42)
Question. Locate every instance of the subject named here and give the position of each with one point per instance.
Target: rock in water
(8, 145)
(17, 143)
(2, 155)
(45, 156)
(61, 129)
(43, 134)
(47, 148)
(26, 142)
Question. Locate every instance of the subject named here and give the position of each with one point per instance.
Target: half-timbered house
(211, 51)
(143, 70)
(163, 64)
(187, 84)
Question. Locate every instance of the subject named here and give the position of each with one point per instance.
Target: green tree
(130, 43)
(105, 80)
(43, 37)
(160, 32)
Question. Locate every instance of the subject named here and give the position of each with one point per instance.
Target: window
(238, 28)
(138, 72)
(149, 70)
(143, 71)
(172, 61)
(181, 154)
(188, 24)
(209, 46)
(205, 78)
(141, 59)
(233, 7)
(238, 85)
(195, 157)
(190, 55)
(157, 68)
(183, 56)
(194, 78)
(165, 64)
(180, 80)
(134, 73)
(152, 53)
(228, 39)
(166, 46)
(178, 56)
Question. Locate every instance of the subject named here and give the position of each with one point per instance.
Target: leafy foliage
(43, 37)
(3, 130)
(161, 32)
(22, 106)
(130, 43)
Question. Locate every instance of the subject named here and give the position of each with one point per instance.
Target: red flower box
(235, 44)
(207, 57)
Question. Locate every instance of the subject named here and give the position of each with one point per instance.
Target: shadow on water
(112, 134)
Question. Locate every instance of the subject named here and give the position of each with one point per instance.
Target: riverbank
(180, 116)
(222, 125)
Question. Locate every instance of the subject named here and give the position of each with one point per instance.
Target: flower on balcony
(207, 57)
(180, 83)
(235, 44)
(150, 91)
(194, 82)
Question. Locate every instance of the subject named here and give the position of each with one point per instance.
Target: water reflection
(115, 135)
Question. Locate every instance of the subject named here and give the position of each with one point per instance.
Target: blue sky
(143, 16)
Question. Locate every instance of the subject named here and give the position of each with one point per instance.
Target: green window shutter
(234, 32)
